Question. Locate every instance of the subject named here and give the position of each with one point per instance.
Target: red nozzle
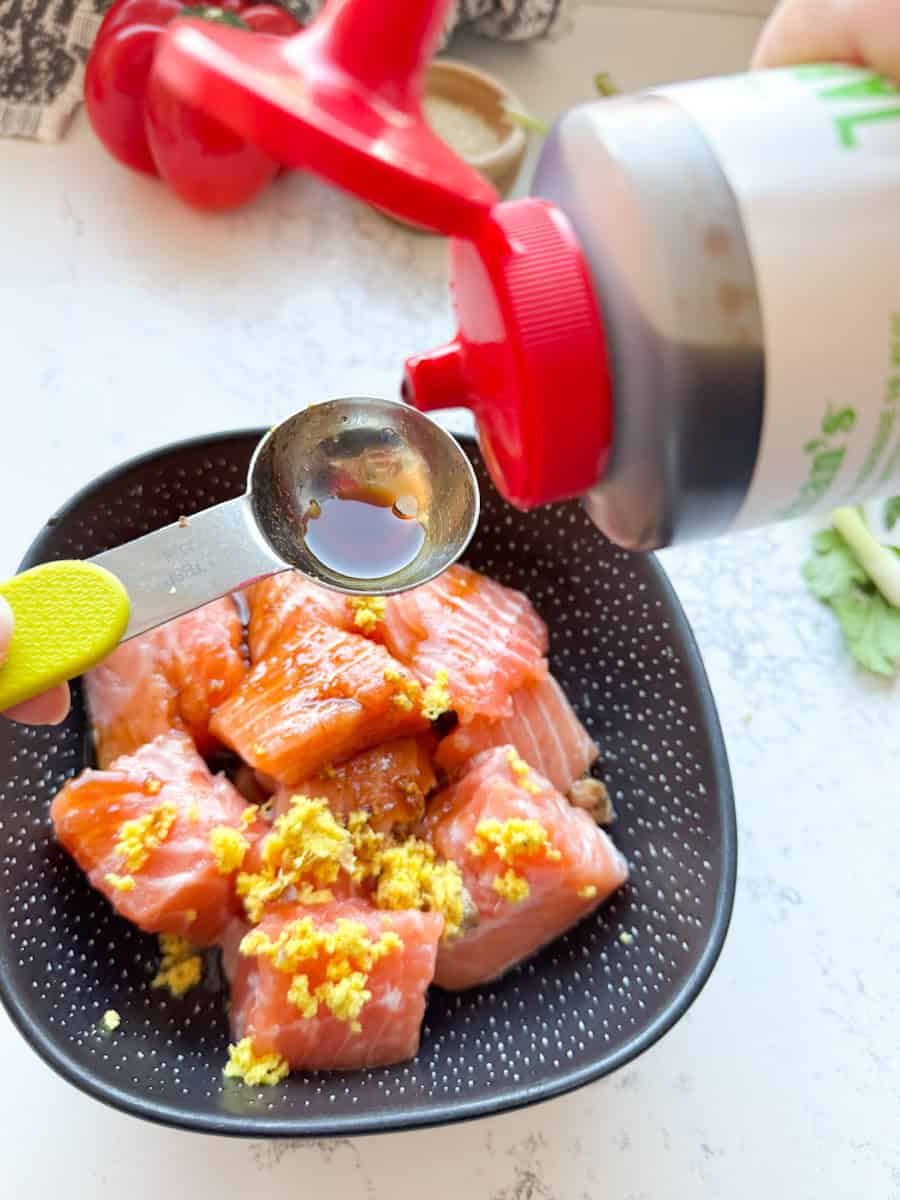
(437, 379)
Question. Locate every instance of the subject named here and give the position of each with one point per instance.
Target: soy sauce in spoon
(364, 538)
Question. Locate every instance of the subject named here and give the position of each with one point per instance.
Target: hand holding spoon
(363, 496)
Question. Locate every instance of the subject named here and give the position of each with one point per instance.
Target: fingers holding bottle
(862, 32)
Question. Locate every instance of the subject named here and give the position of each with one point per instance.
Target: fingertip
(6, 626)
(50, 708)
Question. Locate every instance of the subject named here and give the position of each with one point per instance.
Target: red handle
(342, 99)
(385, 44)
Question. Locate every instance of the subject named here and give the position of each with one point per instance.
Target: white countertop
(127, 321)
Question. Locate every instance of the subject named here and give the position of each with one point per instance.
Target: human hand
(862, 32)
(48, 709)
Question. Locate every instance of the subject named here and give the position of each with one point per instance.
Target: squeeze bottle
(693, 324)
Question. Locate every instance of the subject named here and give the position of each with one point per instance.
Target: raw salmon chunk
(281, 602)
(148, 833)
(173, 677)
(318, 697)
(532, 864)
(130, 699)
(542, 726)
(333, 987)
(389, 783)
(486, 637)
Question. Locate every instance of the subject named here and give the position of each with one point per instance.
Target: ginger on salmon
(367, 612)
(411, 876)
(150, 854)
(486, 638)
(285, 602)
(388, 783)
(532, 863)
(307, 845)
(436, 699)
(229, 846)
(340, 986)
(139, 837)
(340, 958)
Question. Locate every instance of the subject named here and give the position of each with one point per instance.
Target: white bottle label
(813, 156)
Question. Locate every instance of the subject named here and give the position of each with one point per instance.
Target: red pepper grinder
(668, 332)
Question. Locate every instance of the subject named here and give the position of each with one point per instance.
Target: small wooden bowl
(482, 94)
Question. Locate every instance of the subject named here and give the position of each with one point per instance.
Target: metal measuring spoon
(338, 491)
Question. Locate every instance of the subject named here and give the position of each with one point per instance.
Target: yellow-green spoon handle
(68, 617)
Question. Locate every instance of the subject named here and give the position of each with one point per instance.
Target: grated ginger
(513, 841)
(368, 846)
(121, 883)
(110, 1021)
(229, 849)
(253, 1068)
(139, 837)
(516, 842)
(368, 611)
(522, 772)
(411, 877)
(307, 845)
(346, 998)
(347, 953)
(511, 886)
(408, 690)
(181, 967)
(436, 699)
(309, 848)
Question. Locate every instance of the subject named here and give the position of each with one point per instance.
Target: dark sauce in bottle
(365, 539)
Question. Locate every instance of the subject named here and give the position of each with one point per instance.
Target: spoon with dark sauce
(363, 496)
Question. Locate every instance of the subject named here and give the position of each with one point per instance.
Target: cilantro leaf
(871, 629)
(833, 569)
(892, 511)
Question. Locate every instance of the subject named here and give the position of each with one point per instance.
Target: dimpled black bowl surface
(589, 1003)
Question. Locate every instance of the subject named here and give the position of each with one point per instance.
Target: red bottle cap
(344, 99)
(529, 358)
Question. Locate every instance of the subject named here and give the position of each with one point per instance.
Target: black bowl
(591, 1002)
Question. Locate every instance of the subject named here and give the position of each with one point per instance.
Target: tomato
(146, 127)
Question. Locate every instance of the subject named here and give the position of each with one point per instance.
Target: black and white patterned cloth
(44, 44)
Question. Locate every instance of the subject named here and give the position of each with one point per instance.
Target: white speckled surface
(126, 321)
